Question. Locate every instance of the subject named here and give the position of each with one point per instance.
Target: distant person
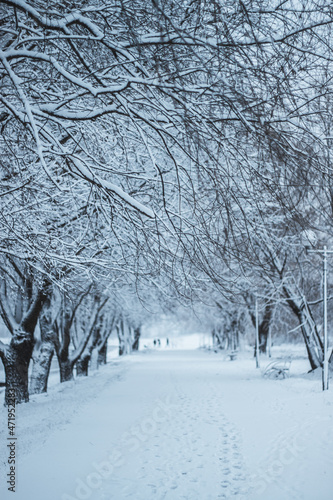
(159, 342)
(167, 342)
(155, 342)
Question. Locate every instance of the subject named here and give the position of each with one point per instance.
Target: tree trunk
(43, 353)
(66, 370)
(82, 366)
(219, 339)
(313, 343)
(263, 337)
(264, 328)
(41, 368)
(313, 348)
(121, 338)
(102, 354)
(68, 360)
(16, 363)
(330, 362)
(16, 357)
(137, 335)
(233, 334)
(82, 363)
(122, 349)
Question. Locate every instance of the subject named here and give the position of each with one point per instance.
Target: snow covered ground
(176, 424)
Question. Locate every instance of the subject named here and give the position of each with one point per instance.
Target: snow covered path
(175, 425)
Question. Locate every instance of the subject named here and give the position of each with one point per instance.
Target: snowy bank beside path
(175, 425)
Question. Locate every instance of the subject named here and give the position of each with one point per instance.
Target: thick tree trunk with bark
(122, 349)
(66, 365)
(41, 368)
(16, 359)
(264, 327)
(43, 352)
(66, 368)
(330, 362)
(263, 338)
(102, 354)
(102, 344)
(82, 366)
(137, 335)
(121, 338)
(82, 363)
(62, 347)
(313, 342)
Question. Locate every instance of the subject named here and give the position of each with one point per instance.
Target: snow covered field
(176, 424)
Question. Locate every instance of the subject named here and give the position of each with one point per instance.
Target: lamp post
(324, 252)
(257, 335)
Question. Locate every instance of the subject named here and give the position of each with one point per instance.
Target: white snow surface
(175, 424)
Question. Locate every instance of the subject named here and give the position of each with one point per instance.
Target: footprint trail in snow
(193, 453)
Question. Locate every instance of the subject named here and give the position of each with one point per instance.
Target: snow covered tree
(186, 144)
(75, 327)
(23, 293)
(43, 349)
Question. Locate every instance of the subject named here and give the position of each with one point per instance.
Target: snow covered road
(175, 425)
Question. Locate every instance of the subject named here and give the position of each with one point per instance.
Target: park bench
(278, 369)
